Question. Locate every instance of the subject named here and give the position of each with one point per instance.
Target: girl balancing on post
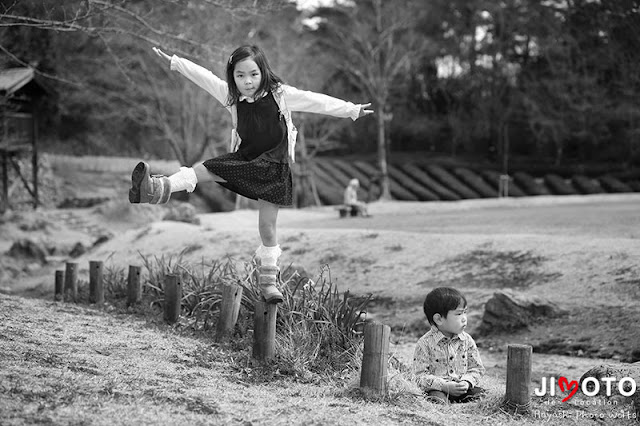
(263, 141)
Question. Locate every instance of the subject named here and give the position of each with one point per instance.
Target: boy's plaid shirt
(438, 359)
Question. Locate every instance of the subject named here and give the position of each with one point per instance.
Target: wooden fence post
(96, 290)
(264, 330)
(71, 282)
(172, 298)
(376, 354)
(231, 298)
(134, 288)
(518, 395)
(59, 289)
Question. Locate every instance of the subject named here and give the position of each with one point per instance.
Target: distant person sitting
(358, 208)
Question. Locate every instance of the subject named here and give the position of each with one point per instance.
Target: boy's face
(454, 323)
(247, 77)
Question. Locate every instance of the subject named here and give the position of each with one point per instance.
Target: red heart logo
(572, 387)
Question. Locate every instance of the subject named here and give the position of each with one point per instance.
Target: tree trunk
(306, 178)
(385, 193)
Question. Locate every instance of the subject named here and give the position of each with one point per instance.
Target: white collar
(250, 99)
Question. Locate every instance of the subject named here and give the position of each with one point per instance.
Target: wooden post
(172, 298)
(96, 290)
(376, 354)
(71, 282)
(503, 185)
(34, 152)
(59, 292)
(264, 331)
(518, 395)
(231, 298)
(134, 288)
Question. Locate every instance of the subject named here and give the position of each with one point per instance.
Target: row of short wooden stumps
(373, 376)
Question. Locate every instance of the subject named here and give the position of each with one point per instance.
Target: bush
(450, 181)
(558, 185)
(493, 178)
(329, 190)
(318, 328)
(476, 182)
(348, 168)
(413, 184)
(611, 184)
(402, 187)
(530, 185)
(634, 185)
(340, 178)
(430, 183)
(586, 185)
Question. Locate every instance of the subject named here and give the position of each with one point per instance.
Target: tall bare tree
(375, 42)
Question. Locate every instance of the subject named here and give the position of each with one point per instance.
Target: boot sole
(274, 300)
(140, 172)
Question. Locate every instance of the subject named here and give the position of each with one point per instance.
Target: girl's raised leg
(157, 189)
(204, 175)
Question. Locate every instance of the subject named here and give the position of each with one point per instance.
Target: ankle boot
(267, 278)
(146, 188)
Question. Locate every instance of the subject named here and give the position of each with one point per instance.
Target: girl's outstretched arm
(307, 101)
(201, 76)
(364, 111)
(161, 54)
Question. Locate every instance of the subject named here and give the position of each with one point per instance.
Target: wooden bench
(347, 210)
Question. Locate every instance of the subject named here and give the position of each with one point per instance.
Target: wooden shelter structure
(20, 96)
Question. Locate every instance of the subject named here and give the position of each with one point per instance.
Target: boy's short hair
(441, 300)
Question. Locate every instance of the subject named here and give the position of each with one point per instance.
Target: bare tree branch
(40, 73)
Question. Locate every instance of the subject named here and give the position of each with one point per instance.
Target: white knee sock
(184, 179)
(268, 255)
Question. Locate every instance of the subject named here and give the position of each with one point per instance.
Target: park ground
(68, 364)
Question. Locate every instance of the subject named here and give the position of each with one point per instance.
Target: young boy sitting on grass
(446, 361)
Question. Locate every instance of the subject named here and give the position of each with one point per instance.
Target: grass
(493, 269)
(79, 364)
(319, 329)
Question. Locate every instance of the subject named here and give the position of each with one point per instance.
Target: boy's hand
(455, 388)
(364, 111)
(161, 54)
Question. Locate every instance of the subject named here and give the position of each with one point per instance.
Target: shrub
(476, 182)
(328, 190)
(586, 185)
(493, 178)
(450, 181)
(430, 183)
(318, 328)
(400, 185)
(611, 184)
(412, 185)
(350, 170)
(634, 185)
(340, 178)
(529, 184)
(558, 185)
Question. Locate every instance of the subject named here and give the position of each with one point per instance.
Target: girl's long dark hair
(269, 80)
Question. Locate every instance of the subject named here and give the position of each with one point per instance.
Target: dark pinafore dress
(259, 169)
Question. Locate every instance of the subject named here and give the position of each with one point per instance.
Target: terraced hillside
(87, 180)
(424, 180)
